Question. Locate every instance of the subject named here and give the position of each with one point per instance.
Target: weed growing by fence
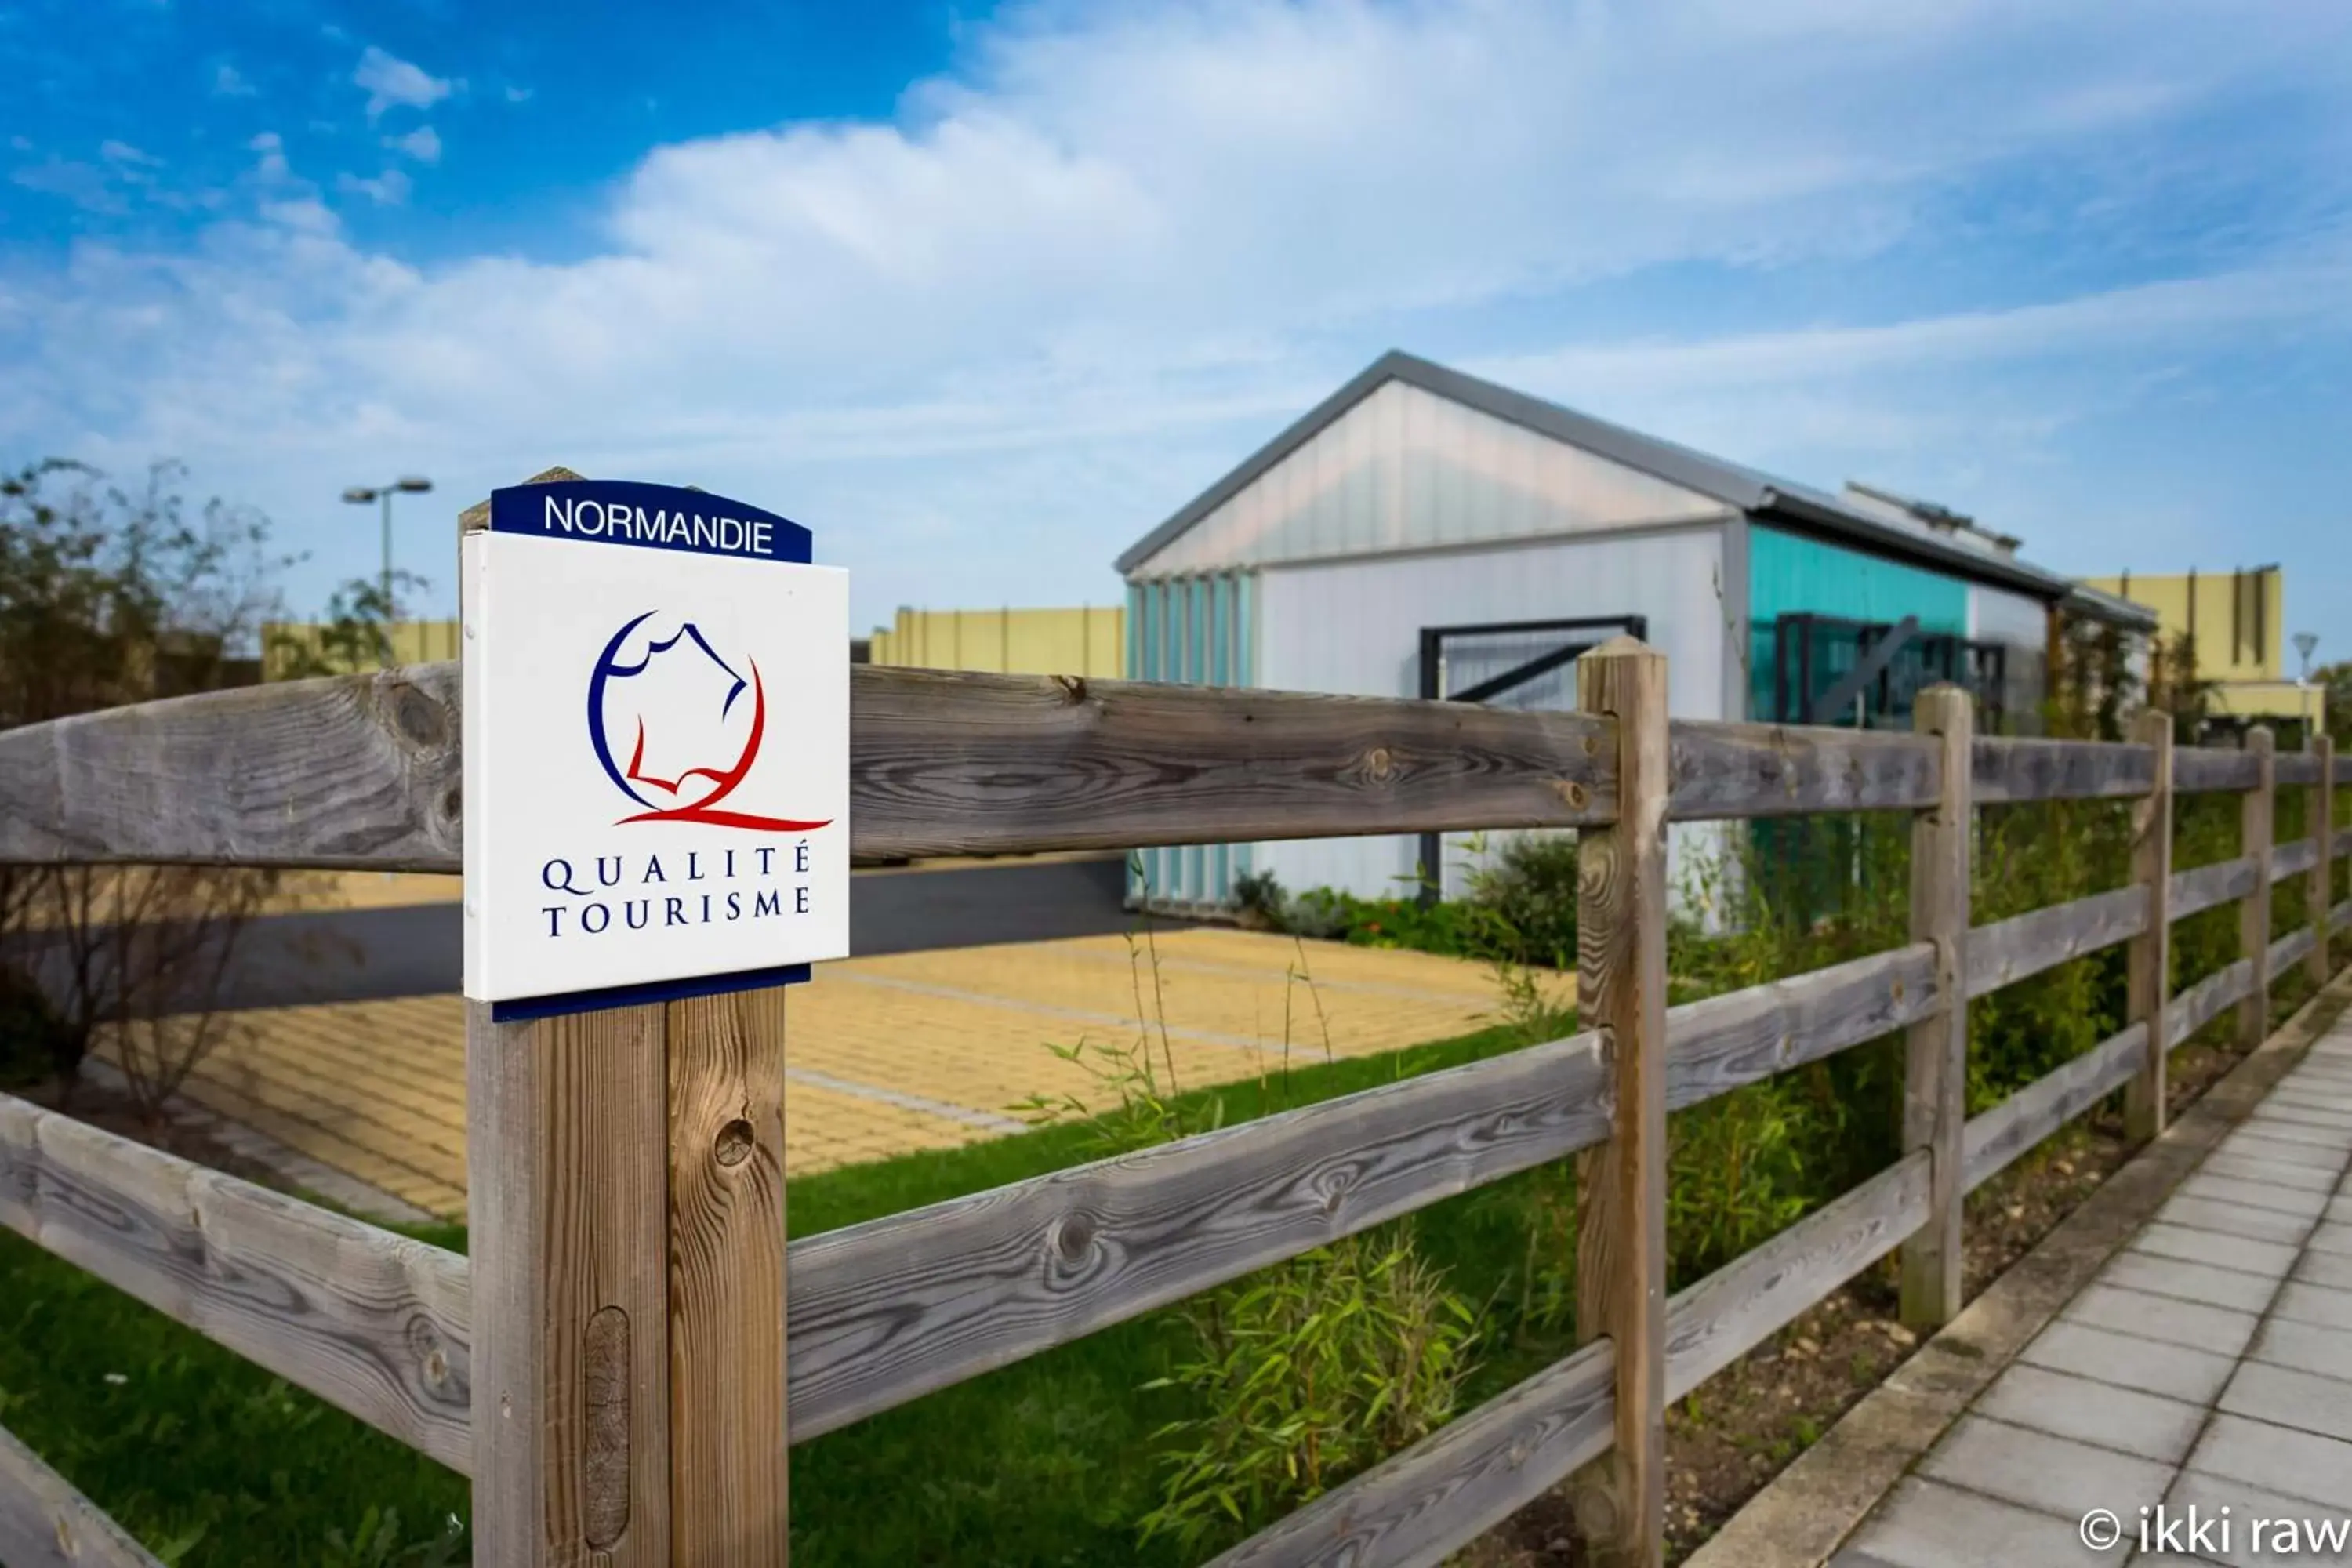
(1307, 1373)
(1304, 1376)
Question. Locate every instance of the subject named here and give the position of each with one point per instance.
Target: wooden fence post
(2149, 956)
(730, 1464)
(1621, 1251)
(566, 1147)
(1935, 1048)
(2321, 816)
(627, 1206)
(2254, 824)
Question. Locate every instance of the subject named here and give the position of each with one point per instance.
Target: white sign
(656, 747)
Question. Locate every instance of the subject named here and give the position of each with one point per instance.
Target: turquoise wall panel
(1788, 574)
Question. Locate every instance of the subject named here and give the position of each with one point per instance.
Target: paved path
(883, 1055)
(2209, 1366)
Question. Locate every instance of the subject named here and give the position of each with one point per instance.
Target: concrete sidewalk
(2208, 1367)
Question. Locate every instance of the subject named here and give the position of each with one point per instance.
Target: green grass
(211, 1461)
(1050, 1461)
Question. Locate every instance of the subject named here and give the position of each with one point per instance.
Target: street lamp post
(2304, 643)
(362, 495)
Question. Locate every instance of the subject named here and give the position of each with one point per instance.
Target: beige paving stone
(887, 1055)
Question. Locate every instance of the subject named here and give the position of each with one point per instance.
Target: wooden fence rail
(362, 772)
(46, 1524)
(372, 1322)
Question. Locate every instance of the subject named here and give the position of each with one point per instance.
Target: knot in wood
(1606, 1048)
(1074, 1235)
(733, 1145)
(424, 1345)
(1074, 687)
(417, 717)
(1377, 764)
(1574, 792)
(1342, 1183)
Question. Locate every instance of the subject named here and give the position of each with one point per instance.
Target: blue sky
(980, 295)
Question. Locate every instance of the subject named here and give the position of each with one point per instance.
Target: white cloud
(271, 164)
(124, 155)
(86, 185)
(229, 82)
(424, 144)
(2309, 291)
(517, 94)
(389, 189)
(390, 81)
(303, 215)
(984, 345)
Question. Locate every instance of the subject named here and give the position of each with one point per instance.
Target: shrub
(1530, 896)
(1307, 1371)
(1309, 1375)
(1521, 908)
(29, 1031)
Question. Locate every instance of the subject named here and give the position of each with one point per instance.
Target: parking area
(884, 1054)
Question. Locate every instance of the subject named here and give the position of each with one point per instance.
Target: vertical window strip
(1180, 654)
(1248, 630)
(1197, 672)
(1245, 671)
(1221, 884)
(1221, 628)
(1133, 670)
(1155, 668)
(1165, 657)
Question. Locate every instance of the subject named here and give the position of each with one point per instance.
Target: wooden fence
(615, 1368)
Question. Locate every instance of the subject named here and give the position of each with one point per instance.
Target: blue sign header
(652, 517)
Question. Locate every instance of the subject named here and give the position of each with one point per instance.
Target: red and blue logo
(674, 708)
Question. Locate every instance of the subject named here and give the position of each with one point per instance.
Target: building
(1422, 532)
(293, 649)
(302, 648)
(1089, 640)
(2234, 624)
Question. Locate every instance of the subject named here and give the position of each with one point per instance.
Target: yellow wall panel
(2238, 618)
(1089, 640)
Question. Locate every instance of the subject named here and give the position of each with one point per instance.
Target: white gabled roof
(1685, 482)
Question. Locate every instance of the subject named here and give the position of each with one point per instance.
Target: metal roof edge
(2114, 607)
(1728, 483)
(1820, 515)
